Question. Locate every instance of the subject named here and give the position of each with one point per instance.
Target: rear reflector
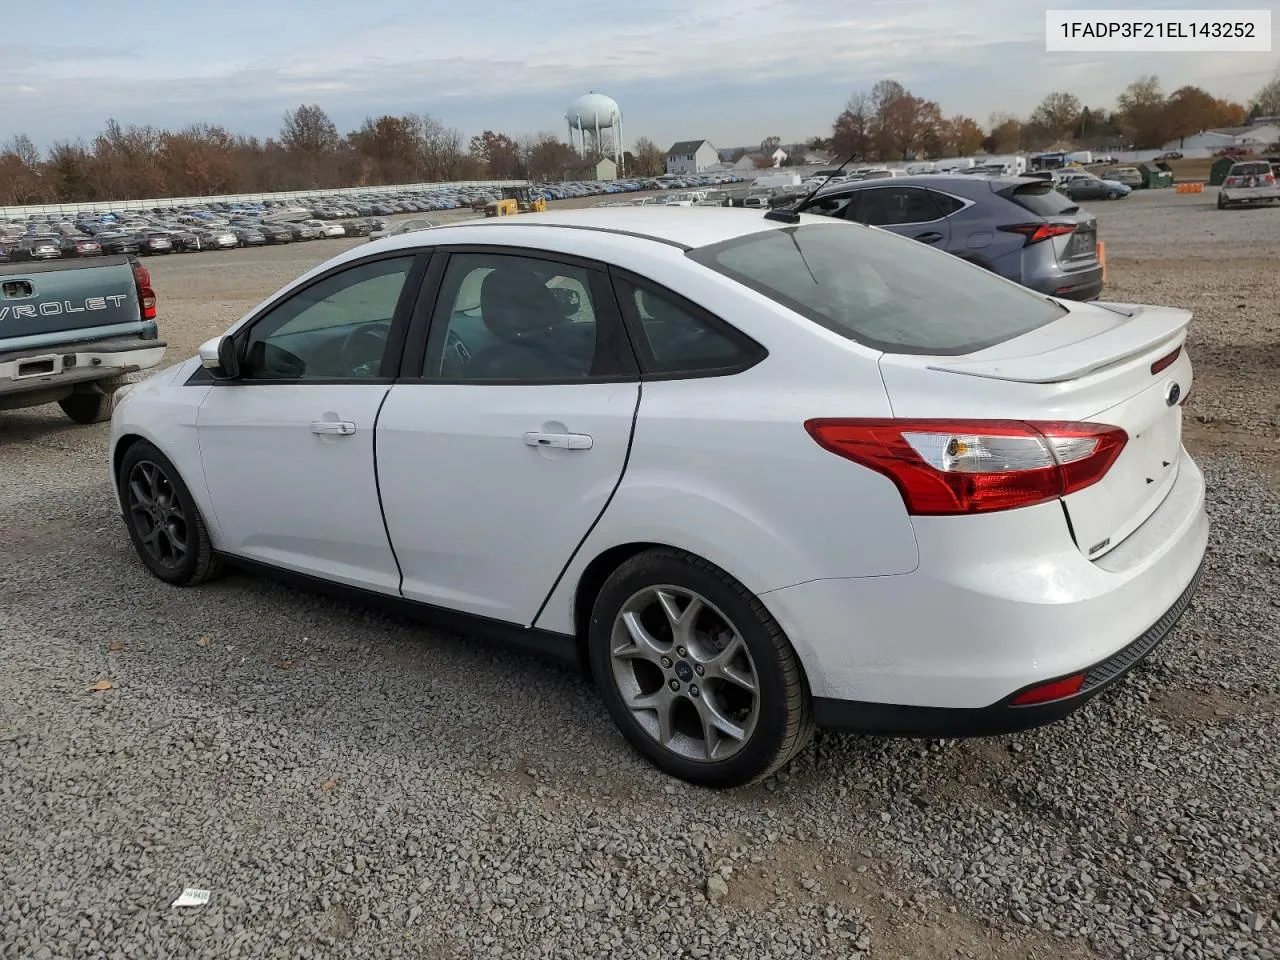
(1048, 692)
(1035, 232)
(1166, 361)
(944, 467)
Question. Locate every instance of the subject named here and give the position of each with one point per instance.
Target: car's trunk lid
(1094, 364)
(1040, 199)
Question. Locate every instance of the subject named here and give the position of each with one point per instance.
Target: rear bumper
(896, 720)
(51, 367)
(1250, 194)
(999, 603)
(1083, 284)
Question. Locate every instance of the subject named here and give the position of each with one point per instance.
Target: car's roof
(688, 227)
(939, 181)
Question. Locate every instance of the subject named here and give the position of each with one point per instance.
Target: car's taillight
(975, 466)
(1035, 232)
(146, 296)
(1268, 178)
(1232, 182)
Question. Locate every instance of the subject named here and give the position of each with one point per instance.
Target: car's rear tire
(162, 518)
(695, 671)
(1222, 204)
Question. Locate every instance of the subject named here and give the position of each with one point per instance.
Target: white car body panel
(481, 521)
(163, 411)
(999, 601)
(881, 606)
(286, 496)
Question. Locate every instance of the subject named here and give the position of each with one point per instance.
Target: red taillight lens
(1035, 232)
(1231, 182)
(1165, 362)
(146, 296)
(1048, 692)
(1268, 178)
(944, 467)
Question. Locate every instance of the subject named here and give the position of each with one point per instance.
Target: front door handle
(928, 237)
(341, 428)
(565, 441)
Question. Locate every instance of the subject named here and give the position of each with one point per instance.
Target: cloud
(784, 64)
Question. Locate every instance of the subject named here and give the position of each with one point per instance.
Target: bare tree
(1267, 100)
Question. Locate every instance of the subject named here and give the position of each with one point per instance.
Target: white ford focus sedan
(757, 473)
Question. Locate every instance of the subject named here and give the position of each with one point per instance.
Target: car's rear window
(1250, 169)
(879, 289)
(1040, 198)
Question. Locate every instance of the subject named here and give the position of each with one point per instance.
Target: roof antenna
(790, 214)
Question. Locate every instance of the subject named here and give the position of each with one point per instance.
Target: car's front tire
(162, 518)
(695, 672)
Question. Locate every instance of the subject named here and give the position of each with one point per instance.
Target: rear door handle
(928, 237)
(565, 441)
(341, 428)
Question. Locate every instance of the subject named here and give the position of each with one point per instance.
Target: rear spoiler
(1147, 329)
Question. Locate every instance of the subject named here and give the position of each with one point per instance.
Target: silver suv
(1019, 227)
(1250, 181)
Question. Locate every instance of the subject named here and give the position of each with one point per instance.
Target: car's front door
(501, 445)
(909, 211)
(287, 446)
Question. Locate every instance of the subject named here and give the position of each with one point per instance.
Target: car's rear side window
(1041, 199)
(881, 290)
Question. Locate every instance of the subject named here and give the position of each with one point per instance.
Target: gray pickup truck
(71, 331)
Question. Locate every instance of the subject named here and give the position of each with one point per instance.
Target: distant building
(1255, 136)
(603, 169)
(779, 157)
(691, 156)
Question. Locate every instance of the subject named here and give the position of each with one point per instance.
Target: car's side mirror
(220, 358)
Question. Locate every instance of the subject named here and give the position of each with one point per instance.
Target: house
(691, 156)
(603, 169)
(779, 157)
(1254, 137)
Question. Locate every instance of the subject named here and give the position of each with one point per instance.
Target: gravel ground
(348, 784)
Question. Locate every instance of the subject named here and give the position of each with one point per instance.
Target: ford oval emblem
(1172, 395)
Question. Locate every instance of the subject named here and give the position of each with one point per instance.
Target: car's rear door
(905, 210)
(509, 430)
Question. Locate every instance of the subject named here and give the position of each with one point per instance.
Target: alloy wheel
(157, 515)
(685, 673)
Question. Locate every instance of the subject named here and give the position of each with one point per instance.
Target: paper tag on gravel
(192, 898)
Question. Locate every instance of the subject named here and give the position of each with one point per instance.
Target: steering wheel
(363, 348)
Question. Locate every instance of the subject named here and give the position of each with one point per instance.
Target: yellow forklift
(515, 200)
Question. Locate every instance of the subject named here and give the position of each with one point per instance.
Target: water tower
(591, 117)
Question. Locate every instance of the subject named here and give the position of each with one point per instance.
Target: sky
(731, 71)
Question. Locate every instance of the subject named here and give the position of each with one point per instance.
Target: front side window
(504, 317)
(335, 329)
(881, 290)
(839, 206)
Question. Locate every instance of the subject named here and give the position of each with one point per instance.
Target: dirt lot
(348, 784)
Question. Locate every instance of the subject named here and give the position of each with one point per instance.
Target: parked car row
(163, 234)
(223, 225)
